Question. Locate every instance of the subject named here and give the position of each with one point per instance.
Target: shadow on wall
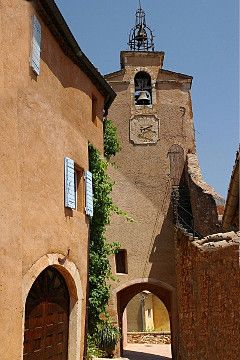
(162, 251)
(134, 314)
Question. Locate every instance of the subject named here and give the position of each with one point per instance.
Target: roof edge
(189, 77)
(59, 28)
(153, 53)
(114, 73)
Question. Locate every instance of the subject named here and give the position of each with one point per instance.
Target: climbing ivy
(99, 266)
(100, 249)
(111, 142)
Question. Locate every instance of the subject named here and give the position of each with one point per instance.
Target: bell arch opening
(143, 88)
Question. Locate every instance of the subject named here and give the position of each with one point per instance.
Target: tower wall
(142, 173)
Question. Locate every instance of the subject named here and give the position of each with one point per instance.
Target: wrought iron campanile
(141, 36)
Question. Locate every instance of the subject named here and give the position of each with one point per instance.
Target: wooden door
(47, 318)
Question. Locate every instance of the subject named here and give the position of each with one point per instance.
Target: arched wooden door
(47, 318)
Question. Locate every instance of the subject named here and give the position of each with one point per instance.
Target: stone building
(158, 182)
(52, 103)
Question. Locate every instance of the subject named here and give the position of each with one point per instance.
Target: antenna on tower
(141, 36)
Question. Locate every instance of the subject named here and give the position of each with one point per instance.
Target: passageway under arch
(163, 291)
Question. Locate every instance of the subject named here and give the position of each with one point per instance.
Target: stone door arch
(47, 317)
(71, 275)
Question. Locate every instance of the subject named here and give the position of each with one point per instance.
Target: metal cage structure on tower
(141, 36)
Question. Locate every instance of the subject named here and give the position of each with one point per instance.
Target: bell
(141, 35)
(143, 98)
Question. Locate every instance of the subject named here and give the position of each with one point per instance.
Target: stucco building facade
(52, 104)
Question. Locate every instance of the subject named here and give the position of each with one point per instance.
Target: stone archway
(164, 292)
(71, 275)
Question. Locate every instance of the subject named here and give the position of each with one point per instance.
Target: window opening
(79, 188)
(121, 262)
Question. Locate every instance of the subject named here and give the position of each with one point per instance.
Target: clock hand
(146, 128)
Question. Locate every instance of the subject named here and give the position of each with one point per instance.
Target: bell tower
(153, 115)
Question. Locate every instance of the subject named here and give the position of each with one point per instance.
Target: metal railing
(179, 219)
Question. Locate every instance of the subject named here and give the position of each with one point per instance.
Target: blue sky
(199, 38)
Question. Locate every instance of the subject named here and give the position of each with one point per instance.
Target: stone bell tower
(153, 115)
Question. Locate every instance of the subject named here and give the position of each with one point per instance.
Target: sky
(199, 38)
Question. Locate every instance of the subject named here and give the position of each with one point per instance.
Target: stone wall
(207, 204)
(148, 338)
(208, 295)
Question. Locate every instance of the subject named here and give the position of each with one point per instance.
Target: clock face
(144, 129)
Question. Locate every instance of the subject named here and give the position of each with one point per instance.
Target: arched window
(143, 88)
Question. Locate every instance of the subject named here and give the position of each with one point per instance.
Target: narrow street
(147, 352)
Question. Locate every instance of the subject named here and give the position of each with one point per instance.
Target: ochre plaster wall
(135, 314)
(148, 312)
(43, 119)
(159, 320)
(208, 283)
(160, 316)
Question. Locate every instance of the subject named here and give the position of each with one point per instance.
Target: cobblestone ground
(148, 352)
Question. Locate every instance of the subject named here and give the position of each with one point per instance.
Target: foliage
(107, 336)
(93, 350)
(111, 141)
(102, 334)
(99, 266)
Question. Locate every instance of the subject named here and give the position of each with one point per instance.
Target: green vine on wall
(99, 267)
(111, 142)
(100, 249)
